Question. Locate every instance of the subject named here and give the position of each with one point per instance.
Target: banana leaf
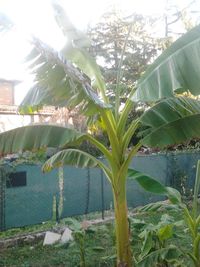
(59, 82)
(76, 158)
(76, 49)
(73, 157)
(175, 71)
(170, 254)
(151, 185)
(171, 121)
(35, 137)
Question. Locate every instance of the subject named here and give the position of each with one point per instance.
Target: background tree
(177, 21)
(107, 43)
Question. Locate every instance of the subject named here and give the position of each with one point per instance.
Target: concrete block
(51, 238)
(66, 236)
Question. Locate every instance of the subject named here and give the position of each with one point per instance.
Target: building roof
(12, 109)
(14, 82)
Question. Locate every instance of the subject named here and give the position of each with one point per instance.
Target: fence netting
(27, 196)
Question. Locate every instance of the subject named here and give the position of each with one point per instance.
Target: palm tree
(72, 78)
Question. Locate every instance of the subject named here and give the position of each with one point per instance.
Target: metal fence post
(88, 192)
(102, 195)
(2, 199)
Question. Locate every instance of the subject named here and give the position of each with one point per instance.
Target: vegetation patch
(98, 242)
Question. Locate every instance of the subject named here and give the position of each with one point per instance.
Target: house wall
(6, 93)
(10, 118)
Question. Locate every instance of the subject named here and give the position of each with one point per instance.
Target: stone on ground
(51, 238)
(66, 236)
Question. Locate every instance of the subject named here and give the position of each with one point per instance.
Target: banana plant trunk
(124, 258)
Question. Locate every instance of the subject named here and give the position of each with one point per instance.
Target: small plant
(191, 217)
(79, 230)
(155, 249)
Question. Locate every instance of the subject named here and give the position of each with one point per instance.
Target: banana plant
(191, 222)
(71, 78)
(156, 249)
(192, 219)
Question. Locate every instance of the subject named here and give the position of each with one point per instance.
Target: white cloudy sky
(35, 17)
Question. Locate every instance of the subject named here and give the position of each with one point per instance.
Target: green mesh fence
(182, 171)
(2, 198)
(31, 196)
(30, 203)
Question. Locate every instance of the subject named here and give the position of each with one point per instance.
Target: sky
(35, 17)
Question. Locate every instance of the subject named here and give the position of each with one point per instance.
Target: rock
(51, 238)
(66, 236)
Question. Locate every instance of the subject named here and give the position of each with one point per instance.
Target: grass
(27, 229)
(49, 225)
(99, 246)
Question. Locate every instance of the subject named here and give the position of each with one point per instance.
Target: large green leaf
(171, 121)
(73, 157)
(176, 70)
(58, 82)
(76, 49)
(37, 136)
(151, 185)
(169, 254)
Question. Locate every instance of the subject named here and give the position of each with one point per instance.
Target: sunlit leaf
(165, 232)
(58, 82)
(176, 70)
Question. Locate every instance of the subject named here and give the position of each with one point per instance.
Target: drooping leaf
(147, 182)
(168, 110)
(73, 157)
(147, 244)
(68, 29)
(58, 82)
(176, 70)
(86, 63)
(156, 206)
(171, 121)
(151, 185)
(151, 207)
(173, 195)
(170, 254)
(76, 49)
(37, 136)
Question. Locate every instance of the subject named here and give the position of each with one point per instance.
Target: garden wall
(28, 198)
